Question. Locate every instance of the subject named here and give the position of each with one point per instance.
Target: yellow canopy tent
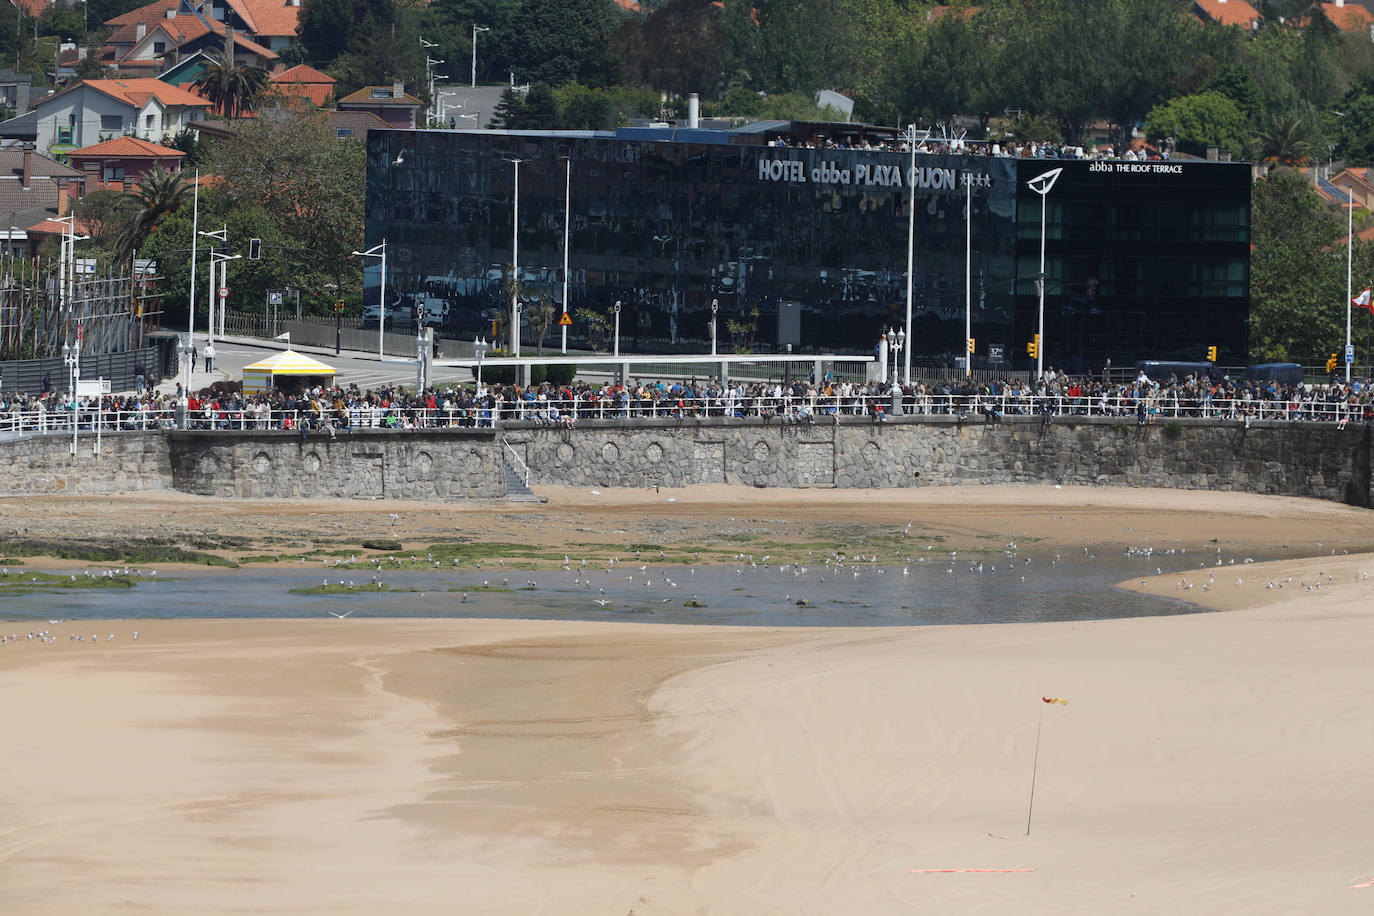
(263, 374)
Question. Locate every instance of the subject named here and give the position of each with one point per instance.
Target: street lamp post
(910, 234)
(379, 251)
(184, 348)
(617, 327)
(567, 215)
(1041, 185)
(715, 309)
(475, 29)
(479, 346)
(896, 342)
(222, 235)
(71, 358)
(515, 262)
(220, 259)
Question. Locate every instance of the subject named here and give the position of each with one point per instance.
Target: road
(352, 366)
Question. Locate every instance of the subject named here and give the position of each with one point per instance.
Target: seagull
(400, 157)
(601, 601)
(340, 616)
(394, 519)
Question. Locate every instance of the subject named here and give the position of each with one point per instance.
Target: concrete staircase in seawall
(516, 491)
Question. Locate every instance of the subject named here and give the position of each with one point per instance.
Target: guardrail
(489, 412)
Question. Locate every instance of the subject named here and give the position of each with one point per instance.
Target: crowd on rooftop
(1031, 149)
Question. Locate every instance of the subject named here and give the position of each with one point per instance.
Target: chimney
(27, 175)
(172, 13)
(693, 111)
(140, 30)
(63, 200)
(398, 90)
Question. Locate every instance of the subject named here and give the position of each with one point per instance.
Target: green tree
(1195, 122)
(104, 213)
(1285, 140)
(157, 195)
(308, 182)
(682, 48)
(549, 39)
(509, 111)
(1297, 272)
(540, 111)
(231, 88)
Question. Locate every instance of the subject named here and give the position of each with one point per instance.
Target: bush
(498, 375)
(555, 374)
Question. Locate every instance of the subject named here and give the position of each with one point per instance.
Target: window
(159, 47)
(150, 123)
(384, 93)
(343, 132)
(113, 173)
(111, 122)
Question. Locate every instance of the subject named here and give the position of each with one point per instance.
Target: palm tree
(1284, 141)
(232, 89)
(158, 194)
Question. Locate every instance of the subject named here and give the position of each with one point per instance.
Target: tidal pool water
(937, 588)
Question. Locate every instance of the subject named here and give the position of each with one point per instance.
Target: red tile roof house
(120, 163)
(1349, 16)
(96, 110)
(1228, 12)
(303, 82)
(390, 103)
(260, 29)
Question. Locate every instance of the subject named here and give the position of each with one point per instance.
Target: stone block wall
(1315, 460)
(127, 463)
(362, 464)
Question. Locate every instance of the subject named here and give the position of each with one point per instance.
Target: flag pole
(1034, 766)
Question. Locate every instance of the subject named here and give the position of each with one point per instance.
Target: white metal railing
(520, 466)
(786, 408)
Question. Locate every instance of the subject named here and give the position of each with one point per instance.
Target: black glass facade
(1137, 265)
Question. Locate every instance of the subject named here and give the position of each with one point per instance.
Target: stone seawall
(127, 463)
(362, 464)
(1316, 460)
(1292, 459)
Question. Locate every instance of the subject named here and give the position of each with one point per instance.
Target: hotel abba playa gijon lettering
(1142, 260)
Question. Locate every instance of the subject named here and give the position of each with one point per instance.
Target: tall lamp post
(475, 29)
(567, 215)
(910, 234)
(221, 235)
(617, 327)
(379, 251)
(220, 259)
(515, 262)
(1041, 185)
(715, 309)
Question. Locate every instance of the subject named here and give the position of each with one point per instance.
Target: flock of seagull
(48, 637)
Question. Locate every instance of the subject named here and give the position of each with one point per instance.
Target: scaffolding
(42, 305)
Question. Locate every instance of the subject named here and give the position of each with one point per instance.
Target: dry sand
(1210, 763)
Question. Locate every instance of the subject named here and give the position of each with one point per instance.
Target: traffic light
(971, 348)
(1211, 354)
(1033, 347)
(1331, 363)
(254, 249)
(338, 306)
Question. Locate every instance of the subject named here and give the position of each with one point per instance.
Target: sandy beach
(1206, 763)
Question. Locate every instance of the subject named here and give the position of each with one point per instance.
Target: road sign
(1349, 354)
(273, 298)
(994, 353)
(565, 321)
(224, 292)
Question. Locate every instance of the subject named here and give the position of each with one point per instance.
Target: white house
(97, 110)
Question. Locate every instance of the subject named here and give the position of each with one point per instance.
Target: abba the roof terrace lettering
(861, 175)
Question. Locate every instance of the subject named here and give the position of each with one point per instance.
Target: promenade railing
(787, 408)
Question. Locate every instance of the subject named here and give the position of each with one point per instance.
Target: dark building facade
(809, 246)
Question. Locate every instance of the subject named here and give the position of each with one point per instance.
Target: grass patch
(25, 583)
(145, 551)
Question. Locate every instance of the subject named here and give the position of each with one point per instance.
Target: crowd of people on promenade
(805, 400)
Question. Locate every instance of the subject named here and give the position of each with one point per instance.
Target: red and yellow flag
(1055, 700)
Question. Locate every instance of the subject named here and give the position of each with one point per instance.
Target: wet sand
(1205, 763)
